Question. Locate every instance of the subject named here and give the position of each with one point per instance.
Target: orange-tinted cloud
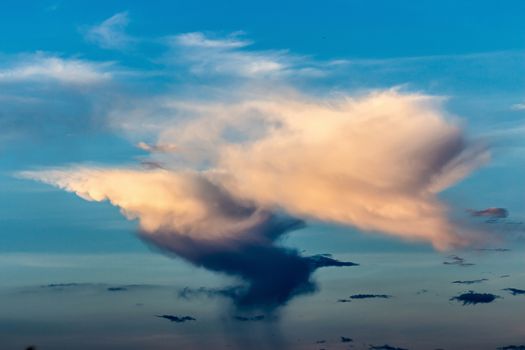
(376, 162)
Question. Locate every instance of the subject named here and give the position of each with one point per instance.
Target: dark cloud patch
(422, 291)
(270, 275)
(322, 260)
(88, 288)
(344, 300)
(515, 291)
(346, 340)
(472, 298)
(370, 296)
(151, 164)
(227, 292)
(64, 285)
(512, 347)
(95, 286)
(493, 213)
(177, 319)
(249, 318)
(456, 260)
(385, 347)
(504, 276)
(501, 250)
(471, 281)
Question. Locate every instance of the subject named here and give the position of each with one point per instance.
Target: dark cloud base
(271, 275)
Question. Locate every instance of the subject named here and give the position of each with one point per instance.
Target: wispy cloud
(228, 56)
(42, 67)
(456, 260)
(494, 213)
(162, 148)
(198, 39)
(111, 34)
(518, 107)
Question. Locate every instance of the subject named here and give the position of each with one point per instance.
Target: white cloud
(518, 107)
(229, 57)
(162, 148)
(110, 34)
(184, 203)
(197, 39)
(46, 67)
(376, 162)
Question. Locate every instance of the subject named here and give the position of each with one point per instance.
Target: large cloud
(186, 214)
(376, 162)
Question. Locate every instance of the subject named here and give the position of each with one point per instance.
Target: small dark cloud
(515, 291)
(493, 250)
(456, 260)
(471, 281)
(346, 339)
(227, 292)
(344, 300)
(95, 287)
(504, 276)
(422, 291)
(177, 319)
(385, 347)
(472, 298)
(151, 164)
(493, 213)
(370, 296)
(63, 285)
(512, 347)
(249, 318)
(325, 260)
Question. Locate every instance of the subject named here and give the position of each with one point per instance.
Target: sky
(262, 175)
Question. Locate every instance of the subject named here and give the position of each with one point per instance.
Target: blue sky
(197, 130)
